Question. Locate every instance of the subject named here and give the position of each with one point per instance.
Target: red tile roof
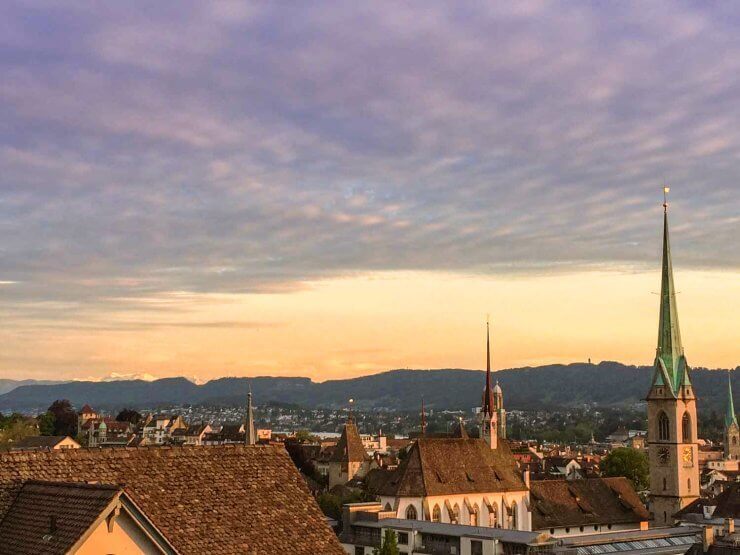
(215, 500)
(349, 448)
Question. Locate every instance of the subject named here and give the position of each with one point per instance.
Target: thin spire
(670, 348)
(730, 417)
(487, 405)
(250, 437)
(423, 419)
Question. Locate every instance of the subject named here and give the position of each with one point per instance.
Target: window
(403, 538)
(689, 484)
(476, 547)
(665, 484)
(436, 514)
(492, 516)
(474, 516)
(664, 433)
(665, 517)
(513, 515)
(455, 516)
(686, 427)
(734, 440)
(411, 512)
(567, 530)
(359, 550)
(388, 507)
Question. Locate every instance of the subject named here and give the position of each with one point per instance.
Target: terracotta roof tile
(349, 448)
(216, 500)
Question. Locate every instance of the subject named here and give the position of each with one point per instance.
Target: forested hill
(552, 386)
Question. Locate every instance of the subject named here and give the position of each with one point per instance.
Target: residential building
(220, 499)
(45, 443)
(672, 435)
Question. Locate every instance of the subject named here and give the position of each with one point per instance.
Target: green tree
(128, 415)
(16, 432)
(389, 546)
(630, 463)
(65, 418)
(46, 424)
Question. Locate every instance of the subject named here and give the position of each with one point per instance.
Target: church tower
(498, 406)
(732, 430)
(488, 415)
(672, 436)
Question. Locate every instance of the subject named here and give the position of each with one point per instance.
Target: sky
(335, 189)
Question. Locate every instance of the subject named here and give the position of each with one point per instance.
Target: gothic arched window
(664, 432)
(455, 516)
(492, 516)
(436, 514)
(388, 507)
(513, 515)
(411, 512)
(686, 427)
(734, 440)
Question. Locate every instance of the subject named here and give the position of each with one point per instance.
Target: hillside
(552, 386)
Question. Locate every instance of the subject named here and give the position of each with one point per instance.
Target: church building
(672, 426)
(732, 431)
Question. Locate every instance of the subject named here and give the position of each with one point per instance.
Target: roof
(563, 503)
(252, 501)
(454, 466)
(87, 409)
(39, 442)
(50, 518)
(349, 448)
(728, 502)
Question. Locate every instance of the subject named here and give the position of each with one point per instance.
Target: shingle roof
(50, 518)
(728, 503)
(216, 500)
(559, 503)
(349, 448)
(454, 466)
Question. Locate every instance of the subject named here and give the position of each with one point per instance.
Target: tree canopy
(630, 463)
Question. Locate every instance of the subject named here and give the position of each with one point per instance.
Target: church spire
(487, 405)
(730, 417)
(670, 358)
(250, 437)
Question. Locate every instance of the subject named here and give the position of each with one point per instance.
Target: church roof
(454, 466)
(671, 368)
(561, 503)
(218, 500)
(730, 416)
(349, 447)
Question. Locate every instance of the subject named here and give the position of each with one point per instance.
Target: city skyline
(221, 190)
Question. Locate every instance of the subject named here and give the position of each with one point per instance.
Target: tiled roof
(50, 518)
(349, 448)
(454, 466)
(728, 503)
(559, 503)
(217, 500)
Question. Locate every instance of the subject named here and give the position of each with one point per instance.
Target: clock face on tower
(663, 455)
(687, 455)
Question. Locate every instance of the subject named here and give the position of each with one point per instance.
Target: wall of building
(126, 538)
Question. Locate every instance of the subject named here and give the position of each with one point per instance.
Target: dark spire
(669, 353)
(250, 437)
(730, 417)
(487, 405)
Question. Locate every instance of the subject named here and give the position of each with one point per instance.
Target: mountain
(552, 386)
(9, 385)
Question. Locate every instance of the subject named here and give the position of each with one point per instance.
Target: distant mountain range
(552, 386)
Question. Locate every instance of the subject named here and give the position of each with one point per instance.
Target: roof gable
(349, 447)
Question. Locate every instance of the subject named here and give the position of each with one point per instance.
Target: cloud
(222, 149)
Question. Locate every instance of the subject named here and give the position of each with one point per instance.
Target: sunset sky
(331, 190)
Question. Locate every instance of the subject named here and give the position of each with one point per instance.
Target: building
(458, 481)
(348, 459)
(364, 525)
(490, 426)
(221, 499)
(591, 506)
(671, 403)
(45, 443)
(718, 515)
(732, 431)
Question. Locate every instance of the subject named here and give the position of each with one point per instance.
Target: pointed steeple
(730, 417)
(670, 361)
(487, 404)
(250, 437)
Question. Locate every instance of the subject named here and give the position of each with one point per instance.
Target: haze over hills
(552, 386)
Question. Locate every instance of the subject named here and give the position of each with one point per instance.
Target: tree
(389, 546)
(128, 415)
(630, 463)
(65, 418)
(16, 431)
(46, 424)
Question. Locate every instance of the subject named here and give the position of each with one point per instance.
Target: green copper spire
(669, 359)
(730, 417)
